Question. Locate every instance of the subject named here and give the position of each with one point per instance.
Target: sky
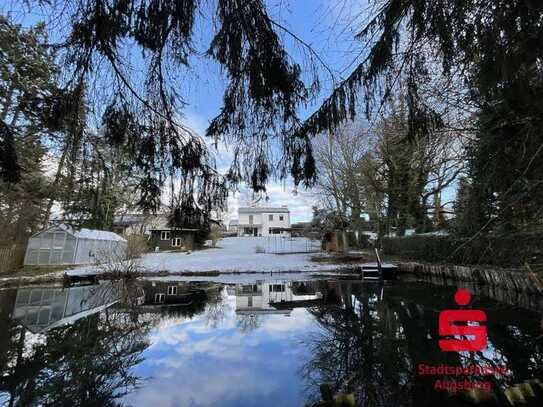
(328, 26)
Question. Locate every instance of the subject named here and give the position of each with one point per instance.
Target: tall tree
(490, 50)
(27, 72)
(263, 90)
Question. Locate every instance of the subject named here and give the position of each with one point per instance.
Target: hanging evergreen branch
(493, 49)
(9, 163)
(260, 100)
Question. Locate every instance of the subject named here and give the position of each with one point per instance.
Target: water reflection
(267, 343)
(372, 343)
(42, 308)
(64, 347)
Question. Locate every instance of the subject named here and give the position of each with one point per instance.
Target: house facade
(268, 297)
(263, 221)
(166, 238)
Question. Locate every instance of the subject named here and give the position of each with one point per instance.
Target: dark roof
(246, 209)
(170, 229)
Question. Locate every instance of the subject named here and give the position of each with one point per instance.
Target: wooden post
(379, 268)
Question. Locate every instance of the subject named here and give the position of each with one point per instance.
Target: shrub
(509, 250)
(364, 241)
(215, 235)
(260, 249)
(136, 246)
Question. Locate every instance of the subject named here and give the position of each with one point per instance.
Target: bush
(364, 241)
(510, 250)
(260, 249)
(215, 234)
(136, 246)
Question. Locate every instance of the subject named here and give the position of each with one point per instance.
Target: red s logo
(448, 328)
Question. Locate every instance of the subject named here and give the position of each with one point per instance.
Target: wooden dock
(378, 271)
(371, 271)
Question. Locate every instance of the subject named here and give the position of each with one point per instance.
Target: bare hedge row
(513, 250)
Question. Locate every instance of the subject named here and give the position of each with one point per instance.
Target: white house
(254, 221)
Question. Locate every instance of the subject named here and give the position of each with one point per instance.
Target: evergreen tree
(27, 72)
(489, 56)
(263, 90)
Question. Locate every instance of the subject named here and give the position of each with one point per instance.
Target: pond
(265, 342)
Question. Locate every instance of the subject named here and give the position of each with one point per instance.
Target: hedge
(512, 250)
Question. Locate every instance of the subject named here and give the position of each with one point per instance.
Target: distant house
(263, 221)
(300, 228)
(273, 297)
(233, 226)
(63, 244)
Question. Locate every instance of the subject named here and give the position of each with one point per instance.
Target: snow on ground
(238, 254)
(233, 254)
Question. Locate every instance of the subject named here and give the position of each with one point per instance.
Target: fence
(11, 257)
(284, 245)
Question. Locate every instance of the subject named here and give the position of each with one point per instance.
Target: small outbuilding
(62, 244)
(167, 238)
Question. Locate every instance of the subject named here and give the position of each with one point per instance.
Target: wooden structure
(378, 271)
(11, 257)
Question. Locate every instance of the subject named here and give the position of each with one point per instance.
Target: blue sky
(328, 26)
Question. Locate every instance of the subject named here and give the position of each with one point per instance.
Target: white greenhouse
(62, 244)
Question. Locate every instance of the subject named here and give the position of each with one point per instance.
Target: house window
(250, 219)
(176, 242)
(270, 217)
(165, 235)
(160, 298)
(172, 290)
(281, 217)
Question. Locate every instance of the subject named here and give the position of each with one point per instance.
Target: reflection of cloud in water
(221, 365)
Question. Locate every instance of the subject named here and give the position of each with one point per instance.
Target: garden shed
(62, 244)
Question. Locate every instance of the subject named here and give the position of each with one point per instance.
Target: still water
(266, 342)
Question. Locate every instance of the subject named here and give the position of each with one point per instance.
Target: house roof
(128, 219)
(282, 209)
(167, 228)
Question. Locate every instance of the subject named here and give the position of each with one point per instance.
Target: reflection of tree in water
(86, 363)
(216, 310)
(372, 347)
(360, 349)
(247, 323)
